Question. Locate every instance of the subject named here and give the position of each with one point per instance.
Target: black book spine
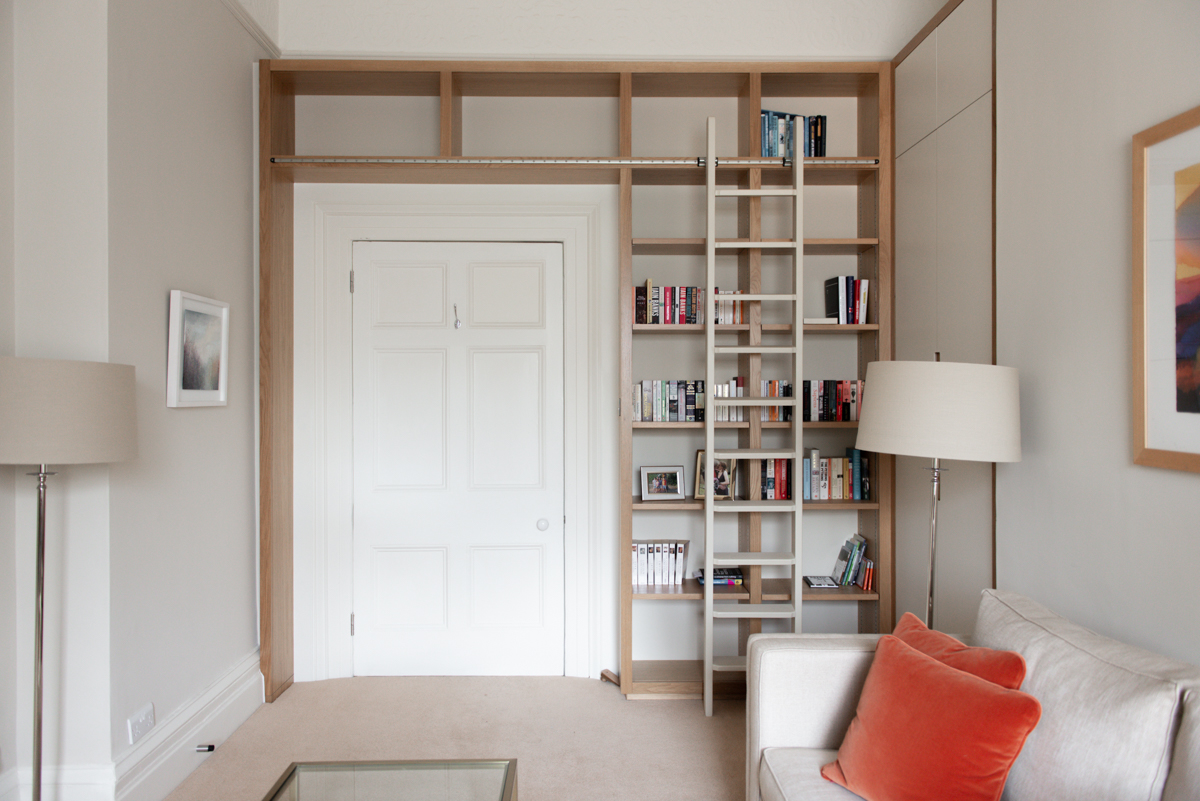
(639, 305)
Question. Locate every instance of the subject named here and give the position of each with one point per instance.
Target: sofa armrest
(801, 692)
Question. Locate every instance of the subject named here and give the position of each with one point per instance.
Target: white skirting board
(69, 783)
(165, 756)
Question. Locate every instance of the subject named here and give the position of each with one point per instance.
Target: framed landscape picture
(662, 483)
(197, 351)
(1166, 294)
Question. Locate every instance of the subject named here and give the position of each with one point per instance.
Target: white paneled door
(458, 458)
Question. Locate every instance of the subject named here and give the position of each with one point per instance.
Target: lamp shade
(54, 411)
(941, 410)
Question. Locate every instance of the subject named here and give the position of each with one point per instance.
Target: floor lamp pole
(37, 633)
(936, 481)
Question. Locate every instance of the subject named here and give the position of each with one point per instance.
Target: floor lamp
(61, 412)
(941, 410)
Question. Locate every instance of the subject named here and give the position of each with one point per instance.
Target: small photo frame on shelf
(662, 483)
(197, 351)
(724, 478)
(1166, 294)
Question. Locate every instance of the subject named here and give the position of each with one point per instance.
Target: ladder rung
(736, 663)
(753, 349)
(756, 193)
(783, 244)
(754, 506)
(731, 296)
(755, 401)
(735, 609)
(755, 453)
(736, 559)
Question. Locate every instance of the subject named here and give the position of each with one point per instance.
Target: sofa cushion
(794, 774)
(925, 730)
(1006, 668)
(1183, 784)
(1109, 710)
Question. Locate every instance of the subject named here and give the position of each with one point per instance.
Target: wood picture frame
(1166, 294)
(197, 351)
(662, 483)
(728, 484)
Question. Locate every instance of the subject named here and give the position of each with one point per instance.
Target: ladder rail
(710, 383)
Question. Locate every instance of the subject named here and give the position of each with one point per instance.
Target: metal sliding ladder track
(713, 609)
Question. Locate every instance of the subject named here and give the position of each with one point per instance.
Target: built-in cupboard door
(458, 458)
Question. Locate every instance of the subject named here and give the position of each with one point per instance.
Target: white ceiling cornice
(253, 28)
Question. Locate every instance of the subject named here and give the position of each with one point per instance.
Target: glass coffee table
(444, 780)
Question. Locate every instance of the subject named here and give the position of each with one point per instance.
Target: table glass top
(452, 780)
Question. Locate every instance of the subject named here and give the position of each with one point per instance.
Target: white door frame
(328, 219)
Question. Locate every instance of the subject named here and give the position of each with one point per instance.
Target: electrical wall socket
(141, 722)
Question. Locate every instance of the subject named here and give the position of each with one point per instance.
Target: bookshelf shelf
(745, 425)
(767, 328)
(695, 247)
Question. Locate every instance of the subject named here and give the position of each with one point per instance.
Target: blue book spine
(804, 480)
(803, 123)
(762, 121)
(856, 466)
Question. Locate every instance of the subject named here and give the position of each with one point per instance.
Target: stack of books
(721, 575)
(659, 562)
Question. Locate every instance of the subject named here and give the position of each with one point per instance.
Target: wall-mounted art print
(1166, 293)
(197, 351)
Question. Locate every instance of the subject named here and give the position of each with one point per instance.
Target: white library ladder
(750, 457)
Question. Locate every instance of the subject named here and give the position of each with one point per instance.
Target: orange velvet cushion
(1006, 668)
(925, 731)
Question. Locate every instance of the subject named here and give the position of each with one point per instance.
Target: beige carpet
(573, 738)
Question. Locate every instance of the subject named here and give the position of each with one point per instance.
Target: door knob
(543, 524)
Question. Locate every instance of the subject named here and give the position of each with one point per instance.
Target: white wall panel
(964, 57)
(916, 95)
(916, 295)
(964, 235)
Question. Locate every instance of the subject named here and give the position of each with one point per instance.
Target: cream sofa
(1118, 723)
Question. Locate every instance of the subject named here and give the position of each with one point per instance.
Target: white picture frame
(662, 483)
(197, 351)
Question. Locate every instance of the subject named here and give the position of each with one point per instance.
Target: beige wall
(1079, 527)
(8, 598)
(183, 604)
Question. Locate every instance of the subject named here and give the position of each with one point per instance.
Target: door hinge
(352, 282)
(351, 624)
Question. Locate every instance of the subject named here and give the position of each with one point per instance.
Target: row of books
(831, 400)
(786, 134)
(776, 480)
(679, 305)
(667, 305)
(836, 478)
(852, 567)
(769, 388)
(659, 562)
(668, 401)
(846, 299)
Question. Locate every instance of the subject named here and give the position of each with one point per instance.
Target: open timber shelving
(754, 85)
